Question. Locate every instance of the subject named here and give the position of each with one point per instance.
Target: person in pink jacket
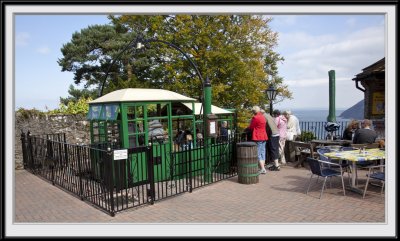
(259, 135)
(281, 121)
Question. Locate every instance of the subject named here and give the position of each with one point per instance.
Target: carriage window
(94, 112)
(110, 112)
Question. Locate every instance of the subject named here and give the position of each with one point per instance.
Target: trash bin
(247, 162)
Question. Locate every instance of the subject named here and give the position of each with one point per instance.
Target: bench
(303, 150)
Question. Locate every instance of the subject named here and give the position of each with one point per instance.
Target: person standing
(273, 141)
(259, 135)
(223, 131)
(292, 132)
(199, 138)
(365, 135)
(293, 126)
(281, 121)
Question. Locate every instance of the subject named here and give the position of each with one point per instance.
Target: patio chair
(344, 164)
(375, 172)
(325, 172)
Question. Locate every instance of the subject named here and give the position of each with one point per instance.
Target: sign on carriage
(121, 154)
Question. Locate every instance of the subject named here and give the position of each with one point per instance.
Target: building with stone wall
(371, 81)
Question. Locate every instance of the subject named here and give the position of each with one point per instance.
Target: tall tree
(77, 94)
(234, 51)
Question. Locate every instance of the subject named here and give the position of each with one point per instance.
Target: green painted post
(207, 141)
(332, 109)
(207, 97)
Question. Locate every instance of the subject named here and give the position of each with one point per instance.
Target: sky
(311, 45)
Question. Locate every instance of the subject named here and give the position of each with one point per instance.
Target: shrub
(26, 113)
(307, 136)
(79, 107)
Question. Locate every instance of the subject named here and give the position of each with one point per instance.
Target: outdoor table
(355, 156)
(331, 142)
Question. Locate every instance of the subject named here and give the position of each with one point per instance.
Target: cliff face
(354, 112)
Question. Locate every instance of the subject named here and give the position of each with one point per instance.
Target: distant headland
(354, 112)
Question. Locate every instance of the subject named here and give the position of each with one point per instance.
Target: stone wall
(75, 127)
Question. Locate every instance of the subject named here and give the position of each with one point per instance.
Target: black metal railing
(148, 174)
(82, 170)
(318, 128)
(315, 127)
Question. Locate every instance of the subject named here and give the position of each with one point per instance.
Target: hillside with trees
(354, 112)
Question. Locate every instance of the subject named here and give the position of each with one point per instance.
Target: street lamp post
(271, 94)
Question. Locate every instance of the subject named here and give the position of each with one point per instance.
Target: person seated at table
(351, 128)
(365, 135)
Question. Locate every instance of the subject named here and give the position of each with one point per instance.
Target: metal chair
(322, 151)
(377, 175)
(317, 169)
(344, 164)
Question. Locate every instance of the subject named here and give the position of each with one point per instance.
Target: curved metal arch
(137, 40)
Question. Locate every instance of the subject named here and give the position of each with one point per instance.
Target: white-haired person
(259, 135)
(292, 125)
(292, 132)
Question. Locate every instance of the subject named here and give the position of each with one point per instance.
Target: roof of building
(199, 109)
(374, 69)
(140, 95)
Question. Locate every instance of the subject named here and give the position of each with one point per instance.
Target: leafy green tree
(234, 51)
(80, 106)
(76, 94)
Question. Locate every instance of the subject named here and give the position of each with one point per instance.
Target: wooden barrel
(247, 162)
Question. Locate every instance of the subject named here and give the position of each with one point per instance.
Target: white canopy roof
(214, 109)
(138, 94)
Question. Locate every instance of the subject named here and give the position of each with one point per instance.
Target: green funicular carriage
(143, 121)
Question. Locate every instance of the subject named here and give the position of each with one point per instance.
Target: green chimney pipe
(332, 109)
(207, 140)
(207, 97)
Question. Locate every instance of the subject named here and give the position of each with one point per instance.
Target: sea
(316, 114)
(314, 119)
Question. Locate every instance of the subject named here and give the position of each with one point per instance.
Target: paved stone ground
(279, 197)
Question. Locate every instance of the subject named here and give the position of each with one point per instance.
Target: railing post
(190, 185)
(150, 172)
(24, 154)
(78, 153)
(110, 160)
(49, 159)
(30, 151)
(60, 156)
(66, 154)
